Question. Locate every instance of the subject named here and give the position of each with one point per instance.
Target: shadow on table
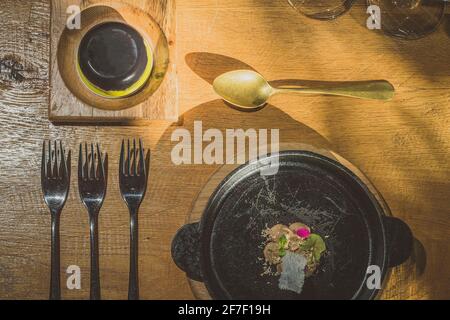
(411, 271)
(219, 115)
(419, 257)
(447, 24)
(429, 53)
(185, 181)
(209, 66)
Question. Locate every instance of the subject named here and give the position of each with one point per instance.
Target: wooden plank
(69, 96)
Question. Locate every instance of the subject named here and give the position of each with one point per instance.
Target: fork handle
(133, 284)
(95, 269)
(55, 282)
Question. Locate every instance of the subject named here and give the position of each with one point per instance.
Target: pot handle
(186, 250)
(399, 241)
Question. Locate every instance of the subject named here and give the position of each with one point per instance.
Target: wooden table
(403, 146)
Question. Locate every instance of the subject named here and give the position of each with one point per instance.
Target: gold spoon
(248, 89)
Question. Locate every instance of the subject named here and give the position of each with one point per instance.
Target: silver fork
(55, 182)
(92, 182)
(133, 176)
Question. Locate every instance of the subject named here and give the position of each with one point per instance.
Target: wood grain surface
(403, 146)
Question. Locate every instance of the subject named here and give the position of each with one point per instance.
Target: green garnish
(315, 243)
(282, 242)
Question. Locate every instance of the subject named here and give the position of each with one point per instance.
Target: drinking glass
(410, 19)
(322, 9)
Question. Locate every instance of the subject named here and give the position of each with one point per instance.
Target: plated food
(295, 253)
(298, 239)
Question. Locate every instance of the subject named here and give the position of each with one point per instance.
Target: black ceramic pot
(225, 249)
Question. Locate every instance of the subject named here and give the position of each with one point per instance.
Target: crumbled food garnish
(296, 239)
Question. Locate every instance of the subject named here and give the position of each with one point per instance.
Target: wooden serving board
(66, 107)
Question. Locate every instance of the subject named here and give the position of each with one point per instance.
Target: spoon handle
(376, 89)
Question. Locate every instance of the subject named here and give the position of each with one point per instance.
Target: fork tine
(98, 162)
(55, 164)
(121, 164)
(100, 167)
(147, 163)
(92, 165)
(127, 161)
(134, 156)
(67, 165)
(43, 163)
(86, 162)
(141, 169)
(63, 164)
(105, 168)
(49, 160)
(80, 163)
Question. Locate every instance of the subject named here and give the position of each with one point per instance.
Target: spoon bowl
(243, 88)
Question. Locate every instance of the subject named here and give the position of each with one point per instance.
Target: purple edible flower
(303, 233)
